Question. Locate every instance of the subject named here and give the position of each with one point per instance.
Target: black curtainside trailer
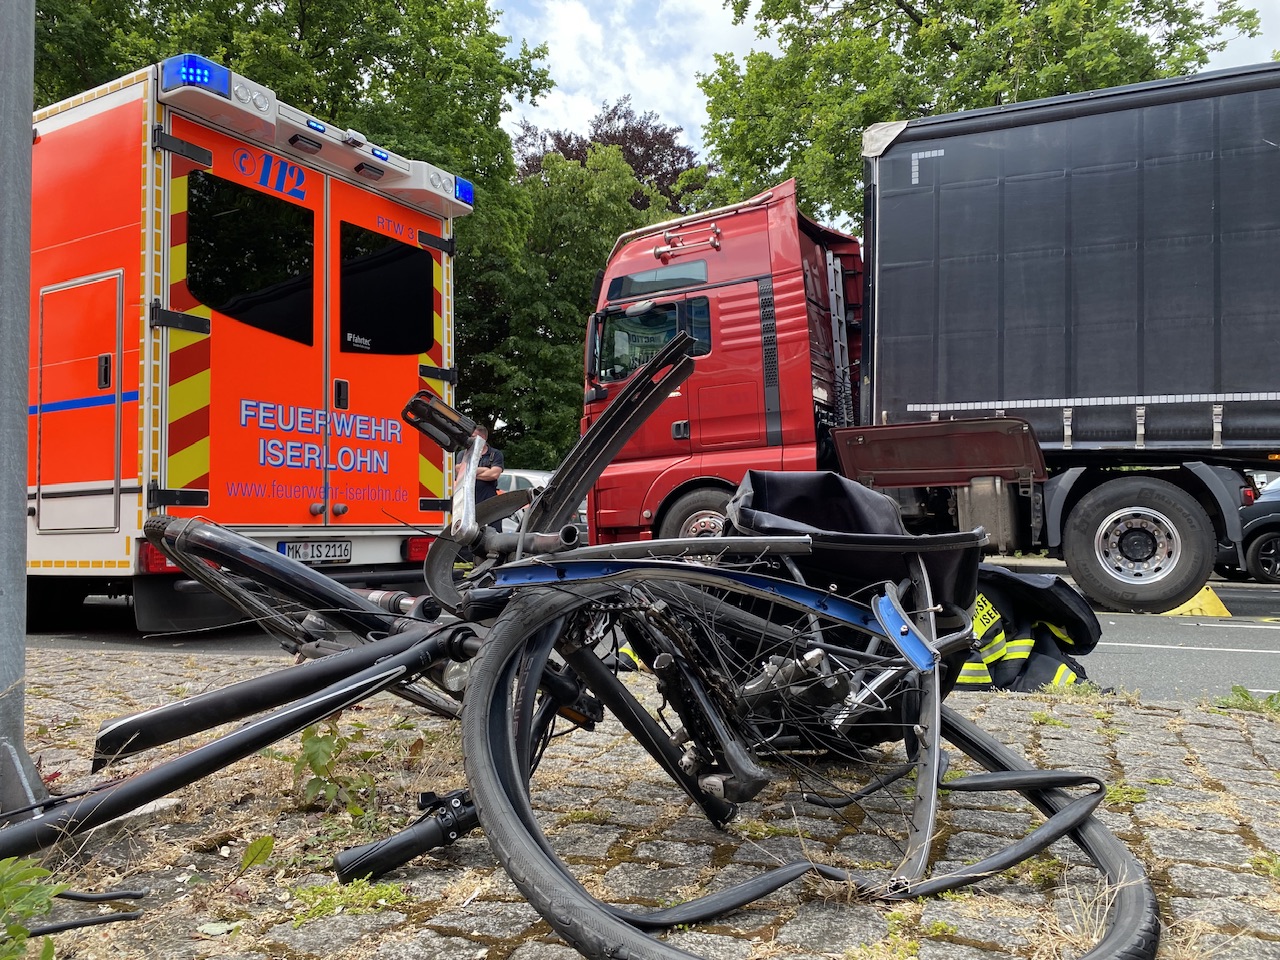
(1103, 266)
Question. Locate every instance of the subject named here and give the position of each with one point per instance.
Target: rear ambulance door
(246, 407)
(386, 342)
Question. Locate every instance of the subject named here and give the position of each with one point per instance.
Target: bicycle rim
(602, 844)
(854, 798)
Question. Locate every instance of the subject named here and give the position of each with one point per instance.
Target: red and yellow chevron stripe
(431, 478)
(189, 380)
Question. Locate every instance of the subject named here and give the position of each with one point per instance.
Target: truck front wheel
(1139, 544)
(699, 513)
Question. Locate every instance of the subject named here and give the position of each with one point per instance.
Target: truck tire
(699, 513)
(1263, 557)
(1139, 545)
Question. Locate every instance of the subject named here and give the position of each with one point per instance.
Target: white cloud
(1245, 50)
(654, 50)
(603, 51)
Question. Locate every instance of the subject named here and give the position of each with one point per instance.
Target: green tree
(529, 375)
(847, 64)
(651, 148)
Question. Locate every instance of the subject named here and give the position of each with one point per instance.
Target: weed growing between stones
(358, 896)
(1242, 699)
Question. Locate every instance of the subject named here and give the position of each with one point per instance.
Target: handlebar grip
(373, 860)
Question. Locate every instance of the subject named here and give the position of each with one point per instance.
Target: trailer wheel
(699, 513)
(1263, 557)
(1139, 544)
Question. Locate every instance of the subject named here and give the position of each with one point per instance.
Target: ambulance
(231, 302)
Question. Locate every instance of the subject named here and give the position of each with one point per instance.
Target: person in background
(491, 464)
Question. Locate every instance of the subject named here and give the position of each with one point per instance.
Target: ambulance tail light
(414, 549)
(190, 70)
(151, 560)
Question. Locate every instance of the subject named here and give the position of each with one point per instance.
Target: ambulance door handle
(341, 394)
(316, 509)
(339, 509)
(104, 371)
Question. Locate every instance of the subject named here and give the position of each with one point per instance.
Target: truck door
(624, 343)
(245, 411)
(734, 390)
(386, 334)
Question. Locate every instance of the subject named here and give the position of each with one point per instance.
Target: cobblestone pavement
(1194, 793)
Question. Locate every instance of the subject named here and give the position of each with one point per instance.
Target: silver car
(515, 480)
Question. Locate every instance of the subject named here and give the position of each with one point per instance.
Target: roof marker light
(316, 125)
(465, 191)
(190, 70)
(369, 170)
(380, 153)
(305, 144)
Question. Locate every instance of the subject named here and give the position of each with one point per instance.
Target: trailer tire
(1263, 557)
(1139, 545)
(699, 513)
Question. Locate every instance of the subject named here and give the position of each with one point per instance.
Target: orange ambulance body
(231, 302)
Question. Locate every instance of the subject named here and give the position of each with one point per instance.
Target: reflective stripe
(1056, 630)
(1064, 676)
(974, 672)
(1018, 649)
(994, 649)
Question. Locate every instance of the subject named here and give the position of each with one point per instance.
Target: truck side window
(698, 324)
(251, 256)
(627, 343)
(386, 294)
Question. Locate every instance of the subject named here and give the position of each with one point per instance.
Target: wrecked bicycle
(791, 681)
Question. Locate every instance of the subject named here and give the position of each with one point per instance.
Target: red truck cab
(774, 301)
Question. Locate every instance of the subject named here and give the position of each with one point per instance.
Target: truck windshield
(628, 343)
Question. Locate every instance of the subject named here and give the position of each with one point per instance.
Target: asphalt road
(1190, 658)
(1183, 659)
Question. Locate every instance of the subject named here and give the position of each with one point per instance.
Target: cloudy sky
(654, 49)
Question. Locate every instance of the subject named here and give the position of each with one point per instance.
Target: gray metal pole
(19, 782)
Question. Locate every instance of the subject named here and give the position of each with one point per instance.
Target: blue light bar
(316, 125)
(190, 70)
(380, 153)
(465, 191)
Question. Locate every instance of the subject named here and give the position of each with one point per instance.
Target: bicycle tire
(503, 789)
(276, 593)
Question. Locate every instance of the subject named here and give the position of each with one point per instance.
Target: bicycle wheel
(586, 826)
(310, 614)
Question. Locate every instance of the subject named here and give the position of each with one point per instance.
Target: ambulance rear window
(251, 256)
(387, 290)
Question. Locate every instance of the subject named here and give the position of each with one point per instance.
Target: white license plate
(316, 551)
